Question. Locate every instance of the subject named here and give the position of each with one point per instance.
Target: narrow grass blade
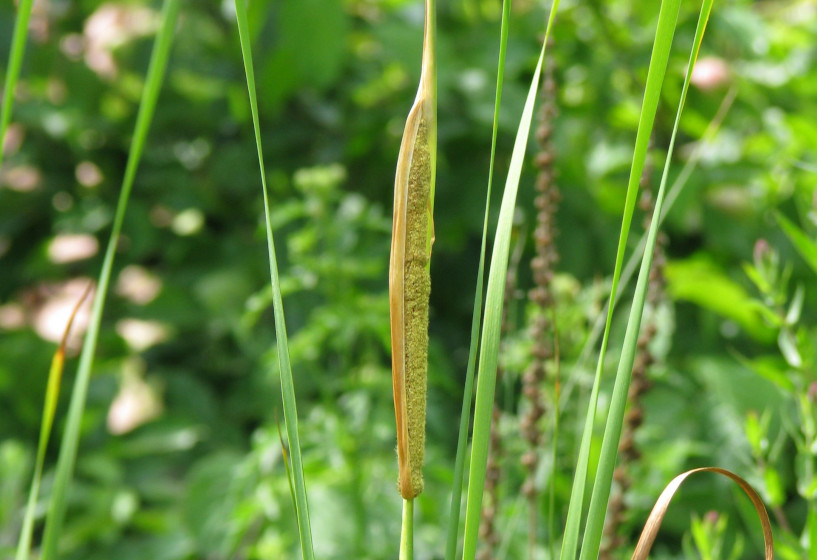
(287, 383)
(571, 533)
(287, 464)
(645, 542)
(52, 393)
(667, 17)
(18, 47)
(491, 326)
(70, 440)
(468, 392)
(672, 195)
(612, 432)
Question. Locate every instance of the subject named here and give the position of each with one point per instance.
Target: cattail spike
(409, 277)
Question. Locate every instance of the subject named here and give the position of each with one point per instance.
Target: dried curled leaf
(653, 523)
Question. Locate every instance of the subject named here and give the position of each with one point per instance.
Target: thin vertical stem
(407, 533)
(18, 45)
(70, 439)
(282, 345)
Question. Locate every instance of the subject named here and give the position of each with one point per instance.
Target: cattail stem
(407, 533)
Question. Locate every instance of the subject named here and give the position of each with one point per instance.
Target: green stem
(18, 45)
(70, 439)
(407, 533)
(468, 392)
(491, 324)
(284, 364)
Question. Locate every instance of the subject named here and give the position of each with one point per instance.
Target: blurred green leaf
(700, 281)
(805, 246)
(771, 368)
(297, 59)
(788, 346)
(774, 487)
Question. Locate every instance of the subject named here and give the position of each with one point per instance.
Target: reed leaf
(672, 195)
(18, 47)
(468, 391)
(491, 325)
(612, 433)
(287, 465)
(665, 31)
(284, 365)
(70, 439)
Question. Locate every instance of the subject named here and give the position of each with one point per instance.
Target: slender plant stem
(70, 440)
(52, 393)
(284, 365)
(18, 45)
(554, 450)
(468, 392)
(489, 350)
(407, 533)
(632, 263)
(612, 432)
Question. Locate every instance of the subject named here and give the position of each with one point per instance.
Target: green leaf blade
(287, 382)
(612, 433)
(18, 46)
(491, 325)
(70, 440)
(465, 416)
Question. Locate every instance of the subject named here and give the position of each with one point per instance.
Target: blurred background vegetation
(180, 456)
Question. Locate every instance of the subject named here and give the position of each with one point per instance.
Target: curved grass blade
(287, 383)
(612, 431)
(52, 393)
(70, 440)
(468, 392)
(647, 538)
(486, 377)
(18, 47)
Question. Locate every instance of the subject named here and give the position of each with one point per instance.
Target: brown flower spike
(409, 278)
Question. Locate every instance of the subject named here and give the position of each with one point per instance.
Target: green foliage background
(205, 478)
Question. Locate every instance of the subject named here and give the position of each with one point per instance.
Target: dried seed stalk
(541, 296)
(409, 278)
